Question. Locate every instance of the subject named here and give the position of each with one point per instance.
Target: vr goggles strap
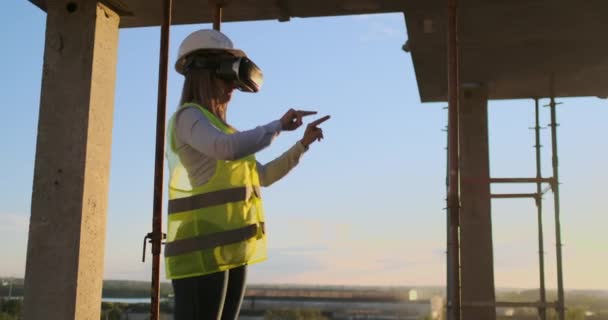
(198, 62)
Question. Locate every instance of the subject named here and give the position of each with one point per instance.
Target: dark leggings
(217, 296)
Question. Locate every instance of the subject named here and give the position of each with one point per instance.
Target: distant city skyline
(365, 206)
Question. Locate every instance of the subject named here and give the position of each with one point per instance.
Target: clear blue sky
(365, 205)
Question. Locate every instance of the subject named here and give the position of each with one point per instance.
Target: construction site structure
(552, 185)
(465, 52)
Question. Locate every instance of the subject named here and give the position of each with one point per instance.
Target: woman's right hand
(293, 119)
(313, 133)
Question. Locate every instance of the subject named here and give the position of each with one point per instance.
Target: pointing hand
(293, 119)
(312, 132)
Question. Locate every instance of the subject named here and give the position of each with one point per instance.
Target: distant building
(343, 304)
(413, 295)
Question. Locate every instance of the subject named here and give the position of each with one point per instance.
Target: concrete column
(477, 273)
(65, 255)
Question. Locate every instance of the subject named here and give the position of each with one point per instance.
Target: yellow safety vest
(216, 226)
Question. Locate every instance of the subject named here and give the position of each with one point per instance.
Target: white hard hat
(206, 39)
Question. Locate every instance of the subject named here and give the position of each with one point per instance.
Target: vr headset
(246, 75)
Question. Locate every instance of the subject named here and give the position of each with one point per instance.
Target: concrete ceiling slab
(144, 13)
(514, 47)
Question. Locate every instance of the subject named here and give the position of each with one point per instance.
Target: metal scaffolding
(553, 183)
(539, 180)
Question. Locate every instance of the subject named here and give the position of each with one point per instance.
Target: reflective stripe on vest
(211, 199)
(209, 241)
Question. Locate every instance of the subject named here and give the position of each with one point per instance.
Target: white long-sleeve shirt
(200, 144)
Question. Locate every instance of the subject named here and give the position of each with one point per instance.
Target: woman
(216, 220)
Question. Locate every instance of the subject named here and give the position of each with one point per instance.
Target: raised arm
(194, 129)
(279, 167)
(276, 169)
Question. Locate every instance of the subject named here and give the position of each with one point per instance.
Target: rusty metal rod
(217, 16)
(157, 234)
(453, 199)
(513, 195)
(449, 229)
(558, 236)
(521, 180)
(542, 309)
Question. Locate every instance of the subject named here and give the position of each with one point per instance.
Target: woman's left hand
(293, 119)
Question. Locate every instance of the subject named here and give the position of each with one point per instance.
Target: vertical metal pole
(558, 236)
(453, 200)
(217, 17)
(542, 310)
(449, 256)
(157, 235)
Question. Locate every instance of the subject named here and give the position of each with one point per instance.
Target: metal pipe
(513, 195)
(449, 229)
(558, 236)
(521, 180)
(542, 311)
(217, 17)
(453, 199)
(157, 235)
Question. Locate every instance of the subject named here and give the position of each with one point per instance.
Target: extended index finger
(304, 113)
(319, 121)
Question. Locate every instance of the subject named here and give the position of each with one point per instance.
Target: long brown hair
(202, 87)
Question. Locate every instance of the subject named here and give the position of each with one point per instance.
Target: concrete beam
(65, 255)
(477, 263)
